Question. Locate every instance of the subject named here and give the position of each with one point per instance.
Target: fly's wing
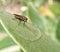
(16, 16)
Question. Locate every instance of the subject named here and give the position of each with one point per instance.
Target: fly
(21, 18)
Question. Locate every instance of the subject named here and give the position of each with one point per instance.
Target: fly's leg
(19, 22)
(13, 18)
(24, 24)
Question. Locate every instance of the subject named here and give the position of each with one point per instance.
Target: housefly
(21, 18)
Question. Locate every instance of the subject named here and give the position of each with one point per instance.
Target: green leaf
(27, 29)
(58, 31)
(36, 3)
(24, 2)
(35, 16)
(27, 36)
(46, 24)
(55, 8)
(1, 28)
(6, 42)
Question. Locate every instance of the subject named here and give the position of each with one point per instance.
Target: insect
(21, 18)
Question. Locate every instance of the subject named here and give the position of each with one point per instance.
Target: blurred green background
(44, 7)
